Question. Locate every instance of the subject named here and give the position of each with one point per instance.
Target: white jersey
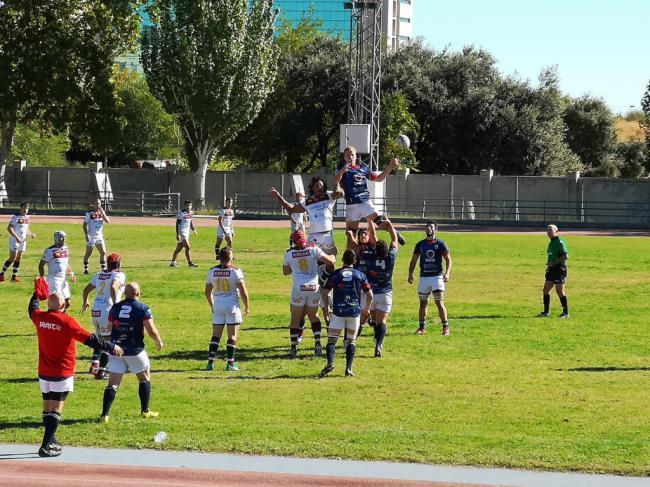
(227, 215)
(297, 221)
(21, 225)
(57, 262)
(321, 213)
(304, 266)
(95, 224)
(224, 282)
(103, 282)
(184, 222)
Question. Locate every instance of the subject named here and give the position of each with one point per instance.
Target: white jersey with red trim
(57, 262)
(227, 215)
(94, 220)
(103, 282)
(304, 265)
(20, 223)
(224, 282)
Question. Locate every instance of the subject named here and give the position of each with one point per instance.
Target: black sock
(144, 391)
(350, 352)
(109, 397)
(359, 331)
(231, 347)
(380, 334)
(214, 346)
(51, 421)
(565, 304)
(85, 266)
(102, 264)
(330, 351)
(15, 269)
(547, 302)
(294, 333)
(216, 250)
(103, 360)
(6, 266)
(96, 353)
(316, 330)
(422, 324)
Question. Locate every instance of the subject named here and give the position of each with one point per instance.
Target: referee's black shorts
(556, 274)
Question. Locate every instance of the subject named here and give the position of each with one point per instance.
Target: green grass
(505, 389)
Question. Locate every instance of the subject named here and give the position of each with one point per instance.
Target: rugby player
(128, 321)
(57, 333)
(93, 227)
(297, 219)
(56, 258)
(379, 267)
(556, 272)
(224, 285)
(302, 262)
(363, 245)
(225, 229)
(319, 207)
(431, 252)
(18, 229)
(110, 287)
(183, 226)
(352, 177)
(347, 284)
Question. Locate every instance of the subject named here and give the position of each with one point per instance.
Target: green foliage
(504, 390)
(40, 147)
(645, 105)
(590, 130)
(212, 65)
(396, 119)
(299, 124)
(633, 159)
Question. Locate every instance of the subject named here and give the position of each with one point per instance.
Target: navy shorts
(556, 274)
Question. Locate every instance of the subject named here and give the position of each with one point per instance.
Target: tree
(396, 119)
(590, 130)
(56, 59)
(645, 105)
(39, 146)
(211, 63)
(633, 159)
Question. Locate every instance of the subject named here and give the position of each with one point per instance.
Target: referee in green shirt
(556, 271)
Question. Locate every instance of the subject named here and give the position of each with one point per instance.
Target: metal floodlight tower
(364, 84)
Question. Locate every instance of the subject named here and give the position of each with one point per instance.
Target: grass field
(505, 389)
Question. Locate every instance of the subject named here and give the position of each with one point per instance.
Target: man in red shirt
(57, 333)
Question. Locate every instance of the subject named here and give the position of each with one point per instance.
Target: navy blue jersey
(128, 330)
(380, 272)
(347, 284)
(430, 252)
(354, 183)
(364, 253)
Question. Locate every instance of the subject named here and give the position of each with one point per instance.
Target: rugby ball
(403, 142)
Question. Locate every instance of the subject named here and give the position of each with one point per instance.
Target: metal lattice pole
(364, 85)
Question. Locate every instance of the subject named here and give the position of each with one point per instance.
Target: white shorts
(65, 385)
(325, 240)
(430, 284)
(59, 286)
(348, 322)
(100, 321)
(308, 295)
(184, 237)
(228, 314)
(357, 211)
(382, 302)
(92, 242)
(15, 246)
(222, 234)
(128, 363)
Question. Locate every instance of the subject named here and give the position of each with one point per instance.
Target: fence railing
(130, 202)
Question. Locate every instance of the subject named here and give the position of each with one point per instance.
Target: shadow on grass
(18, 456)
(477, 317)
(258, 377)
(19, 380)
(243, 354)
(606, 369)
(265, 328)
(30, 424)
(18, 335)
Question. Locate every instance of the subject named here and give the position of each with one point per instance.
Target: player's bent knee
(439, 296)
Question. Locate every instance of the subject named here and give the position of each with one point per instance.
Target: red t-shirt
(57, 333)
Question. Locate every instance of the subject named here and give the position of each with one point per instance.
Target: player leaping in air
(353, 177)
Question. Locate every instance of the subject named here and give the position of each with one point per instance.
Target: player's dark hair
(23, 204)
(225, 254)
(349, 257)
(360, 231)
(381, 249)
(314, 180)
(186, 202)
(431, 222)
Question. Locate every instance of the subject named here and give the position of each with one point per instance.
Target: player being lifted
(183, 226)
(110, 287)
(224, 285)
(56, 258)
(297, 219)
(319, 206)
(225, 229)
(18, 229)
(431, 252)
(93, 227)
(347, 284)
(302, 263)
(379, 262)
(353, 177)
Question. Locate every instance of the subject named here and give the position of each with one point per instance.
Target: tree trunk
(6, 141)
(203, 153)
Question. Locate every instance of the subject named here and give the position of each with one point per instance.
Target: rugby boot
(210, 366)
(48, 452)
(543, 314)
(232, 367)
(564, 315)
(349, 373)
(149, 414)
(16, 279)
(445, 330)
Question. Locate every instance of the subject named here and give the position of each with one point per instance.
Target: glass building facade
(334, 17)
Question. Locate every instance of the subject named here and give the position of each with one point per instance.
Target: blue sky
(601, 47)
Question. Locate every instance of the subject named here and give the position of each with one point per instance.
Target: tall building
(397, 18)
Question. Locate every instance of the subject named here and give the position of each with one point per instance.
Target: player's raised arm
(243, 292)
(384, 174)
(327, 259)
(372, 234)
(338, 192)
(297, 208)
(104, 216)
(352, 241)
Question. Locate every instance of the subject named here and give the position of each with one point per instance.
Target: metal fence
(127, 202)
(480, 211)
